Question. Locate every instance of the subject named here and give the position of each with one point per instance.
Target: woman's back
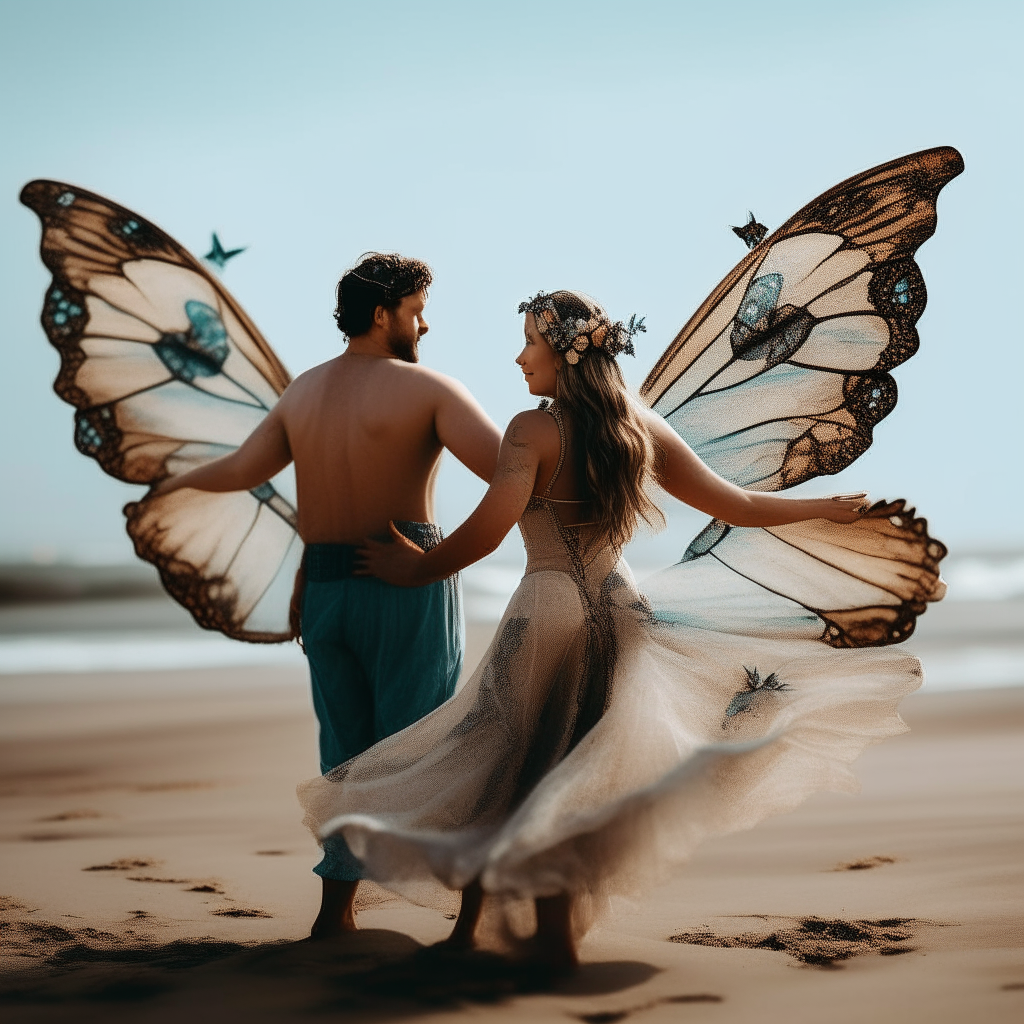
(559, 527)
(561, 476)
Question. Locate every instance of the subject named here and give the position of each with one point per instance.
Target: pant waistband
(325, 563)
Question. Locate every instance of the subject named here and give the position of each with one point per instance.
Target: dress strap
(553, 409)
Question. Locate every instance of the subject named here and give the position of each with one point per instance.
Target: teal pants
(380, 658)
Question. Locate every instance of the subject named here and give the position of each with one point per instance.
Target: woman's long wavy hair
(614, 451)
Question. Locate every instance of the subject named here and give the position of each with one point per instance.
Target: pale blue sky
(600, 146)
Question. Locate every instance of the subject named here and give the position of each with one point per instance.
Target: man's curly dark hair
(379, 279)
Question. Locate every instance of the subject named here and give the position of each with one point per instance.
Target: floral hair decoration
(574, 337)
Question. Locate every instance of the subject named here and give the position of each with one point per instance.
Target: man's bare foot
(336, 915)
(462, 934)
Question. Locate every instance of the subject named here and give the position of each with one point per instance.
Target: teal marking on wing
(95, 429)
(199, 353)
(62, 311)
(760, 299)
(87, 437)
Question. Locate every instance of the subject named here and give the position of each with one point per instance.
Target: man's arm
(263, 454)
(466, 430)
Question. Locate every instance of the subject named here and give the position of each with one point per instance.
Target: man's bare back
(366, 434)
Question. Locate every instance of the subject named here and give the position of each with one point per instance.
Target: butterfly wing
(166, 372)
(782, 373)
(780, 377)
(861, 584)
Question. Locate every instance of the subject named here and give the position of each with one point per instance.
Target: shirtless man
(366, 431)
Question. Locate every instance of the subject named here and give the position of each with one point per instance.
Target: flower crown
(574, 337)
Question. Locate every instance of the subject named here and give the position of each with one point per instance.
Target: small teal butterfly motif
(752, 233)
(744, 700)
(218, 255)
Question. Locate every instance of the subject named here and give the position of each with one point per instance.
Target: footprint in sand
(271, 853)
(162, 881)
(611, 1016)
(240, 912)
(866, 864)
(170, 787)
(134, 863)
(72, 816)
(124, 864)
(816, 941)
(57, 837)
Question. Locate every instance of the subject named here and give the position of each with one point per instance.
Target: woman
(586, 753)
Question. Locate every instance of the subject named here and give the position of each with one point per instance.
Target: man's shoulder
(314, 374)
(405, 387)
(432, 384)
(426, 374)
(396, 369)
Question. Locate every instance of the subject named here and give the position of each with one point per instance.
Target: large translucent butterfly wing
(780, 377)
(166, 372)
(861, 584)
(782, 374)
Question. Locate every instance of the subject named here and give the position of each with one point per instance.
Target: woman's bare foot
(553, 947)
(469, 914)
(336, 915)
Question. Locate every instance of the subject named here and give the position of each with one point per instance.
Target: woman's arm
(685, 477)
(403, 564)
(263, 454)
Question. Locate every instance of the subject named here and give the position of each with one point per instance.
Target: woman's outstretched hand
(845, 508)
(397, 562)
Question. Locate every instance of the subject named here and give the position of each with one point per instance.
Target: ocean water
(973, 639)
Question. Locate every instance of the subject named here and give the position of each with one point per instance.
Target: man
(366, 431)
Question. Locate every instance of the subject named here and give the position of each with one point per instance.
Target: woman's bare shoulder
(660, 429)
(534, 428)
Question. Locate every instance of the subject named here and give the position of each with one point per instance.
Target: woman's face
(538, 361)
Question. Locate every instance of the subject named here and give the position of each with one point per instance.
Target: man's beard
(406, 349)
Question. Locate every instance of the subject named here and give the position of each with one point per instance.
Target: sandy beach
(154, 868)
